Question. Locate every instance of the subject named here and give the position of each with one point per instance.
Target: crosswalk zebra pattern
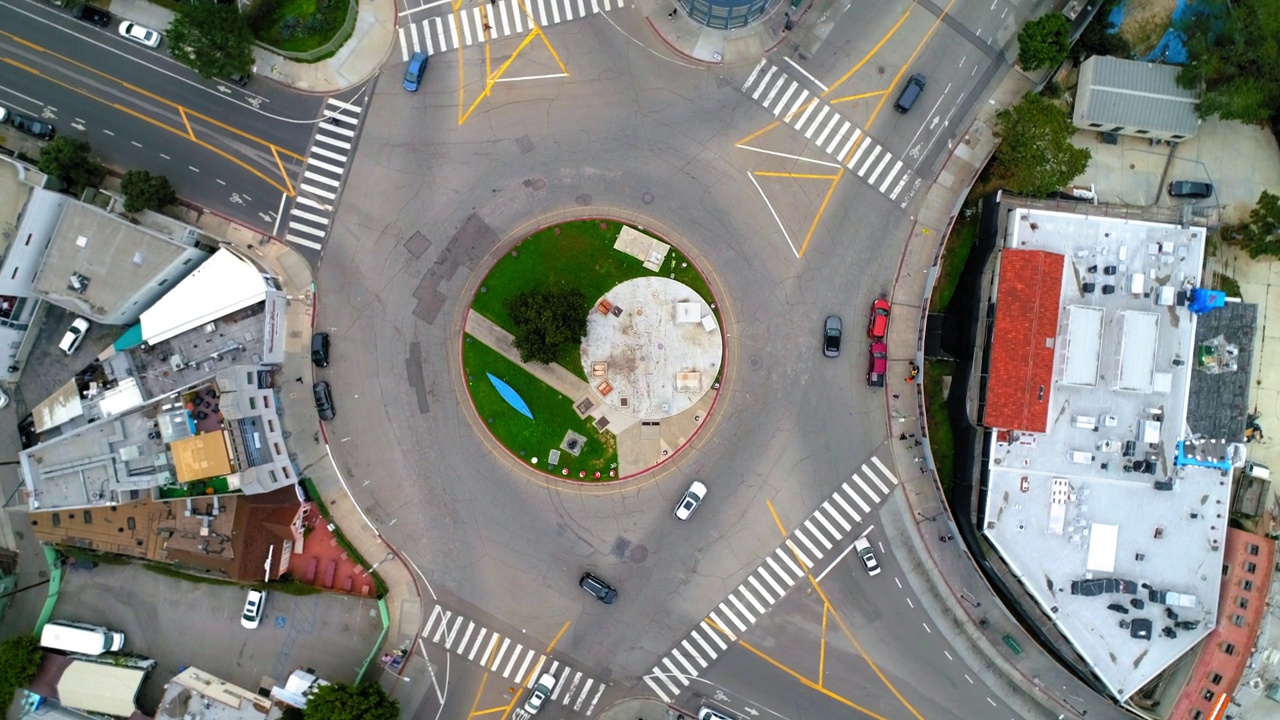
(820, 533)
(788, 100)
(493, 21)
(322, 175)
(515, 662)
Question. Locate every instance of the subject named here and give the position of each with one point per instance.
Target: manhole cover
(756, 362)
(647, 198)
(620, 547)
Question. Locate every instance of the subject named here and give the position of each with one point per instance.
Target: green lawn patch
(580, 255)
(964, 234)
(198, 488)
(297, 25)
(941, 441)
(553, 415)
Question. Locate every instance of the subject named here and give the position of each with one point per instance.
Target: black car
(1190, 189)
(32, 127)
(324, 400)
(831, 331)
(320, 349)
(92, 15)
(602, 590)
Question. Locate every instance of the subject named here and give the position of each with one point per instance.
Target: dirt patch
(1145, 22)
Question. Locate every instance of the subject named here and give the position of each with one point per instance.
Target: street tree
(1233, 58)
(71, 161)
(546, 321)
(1100, 36)
(336, 701)
(19, 659)
(145, 191)
(1035, 155)
(212, 38)
(1260, 235)
(1044, 42)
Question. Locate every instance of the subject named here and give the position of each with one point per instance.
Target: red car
(878, 365)
(879, 323)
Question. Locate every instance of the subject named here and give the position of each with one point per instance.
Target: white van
(69, 636)
(1258, 470)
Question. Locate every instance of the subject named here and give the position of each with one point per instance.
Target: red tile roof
(1022, 350)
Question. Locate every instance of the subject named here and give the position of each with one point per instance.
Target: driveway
(182, 624)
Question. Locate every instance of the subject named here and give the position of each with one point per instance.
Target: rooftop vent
(78, 283)
(1089, 287)
(1108, 289)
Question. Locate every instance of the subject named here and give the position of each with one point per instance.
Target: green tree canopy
(1100, 36)
(1044, 42)
(546, 321)
(144, 191)
(212, 38)
(1035, 155)
(1234, 57)
(71, 161)
(19, 658)
(1260, 235)
(345, 702)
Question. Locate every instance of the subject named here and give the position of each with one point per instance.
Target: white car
(4, 400)
(253, 606)
(541, 691)
(74, 336)
(690, 501)
(863, 547)
(139, 34)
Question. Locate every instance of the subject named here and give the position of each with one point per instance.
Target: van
(910, 93)
(1258, 470)
(320, 349)
(69, 636)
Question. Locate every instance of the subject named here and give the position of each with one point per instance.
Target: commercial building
(1130, 97)
(194, 693)
(1113, 427)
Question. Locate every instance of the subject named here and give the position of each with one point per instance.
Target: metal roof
(1132, 94)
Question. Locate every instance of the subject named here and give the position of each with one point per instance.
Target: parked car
(831, 330)
(706, 713)
(878, 325)
(4, 115)
(878, 364)
(324, 400)
(74, 335)
(862, 546)
(690, 501)
(1190, 189)
(92, 15)
(413, 75)
(320, 349)
(4, 400)
(140, 34)
(32, 127)
(240, 79)
(541, 691)
(602, 590)
(251, 617)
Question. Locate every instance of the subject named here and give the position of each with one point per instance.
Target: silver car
(831, 331)
(541, 692)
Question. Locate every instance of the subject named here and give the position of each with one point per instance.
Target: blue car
(413, 76)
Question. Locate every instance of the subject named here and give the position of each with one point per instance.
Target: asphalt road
(234, 150)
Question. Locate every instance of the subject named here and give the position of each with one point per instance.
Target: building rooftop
(194, 693)
(1114, 92)
(1063, 505)
(1219, 402)
(96, 261)
(1022, 346)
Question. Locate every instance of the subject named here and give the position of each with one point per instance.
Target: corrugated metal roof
(1132, 94)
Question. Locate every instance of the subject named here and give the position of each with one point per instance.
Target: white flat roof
(221, 285)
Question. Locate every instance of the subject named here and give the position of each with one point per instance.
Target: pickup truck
(878, 364)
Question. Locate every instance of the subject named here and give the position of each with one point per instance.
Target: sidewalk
(356, 61)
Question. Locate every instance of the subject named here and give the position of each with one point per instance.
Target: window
(1251, 567)
(1143, 132)
(1095, 125)
(187, 261)
(163, 282)
(1247, 585)
(1215, 679)
(1177, 137)
(1228, 649)
(1207, 694)
(1197, 715)
(1253, 549)
(1242, 603)
(253, 404)
(1237, 620)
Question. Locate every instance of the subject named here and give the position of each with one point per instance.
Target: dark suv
(324, 400)
(1190, 189)
(320, 349)
(32, 127)
(92, 15)
(602, 590)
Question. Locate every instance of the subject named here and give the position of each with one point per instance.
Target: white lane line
(331, 155)
(528, 657)
(653, 686)
(888, 178)
(764, 83)
(870, 159)
(431, 621)
(825, 523)
(679, 676)
(913, 605)
(462, 644)
(769, 578)
(714, 635)
(813, 530)
(926, 628)
(944, 652)
(344, 105)
(786, 558)
(812, 79)
(317, 191)
(696, 655)
(680, 656)
(866, 489)
(501, 651)
(751, 599)
(839, 518)
(872, 181)
(839, 500)
(723, 627)
(586, 688)
(803, 560)
(479, 640)
(303, 242)
(817, 121)
(884, 469)
(804, 95)
(321, 178)
(724, 608)
(750, 619)
(787, 96)
(760, 589)
(966, 677)
(875, 479)
(334, 141)
(511, 665)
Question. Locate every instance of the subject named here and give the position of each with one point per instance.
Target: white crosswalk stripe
(768, 583)
(483, 24)
(323, 174)
(836, 136)
(512, 660)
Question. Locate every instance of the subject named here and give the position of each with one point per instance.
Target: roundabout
(637, 384)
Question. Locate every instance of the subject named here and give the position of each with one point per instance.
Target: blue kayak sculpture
(511, 396)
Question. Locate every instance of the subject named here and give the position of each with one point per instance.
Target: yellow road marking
(283, 174)
(479, 691)
(849, 98)
(500, 708)
(560, 634)
(821, 210)
(907, 64)
(183, 114)
(798, 176)
(492, 76)
(870, 53)
(822, 648)
(809, 683)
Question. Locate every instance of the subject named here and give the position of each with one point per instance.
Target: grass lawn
(964, 234)
(581, 256)
(941, 442)
(553, 414)
(297, 25)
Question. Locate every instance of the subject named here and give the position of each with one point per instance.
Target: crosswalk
(522, 665)
(792, 103)
(493, 21)
(819, 534)
(322, 175)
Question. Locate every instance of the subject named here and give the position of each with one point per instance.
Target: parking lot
(182, 624)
